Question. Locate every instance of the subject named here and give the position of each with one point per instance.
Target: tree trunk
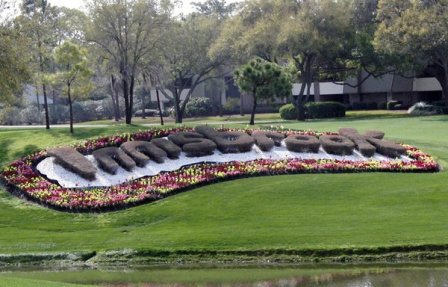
(159, 106)
(53, 108)
(126, 99)
(299, 103)
(177, 109)
(114, 96)
(37, 98)
(442, 77)
(241, 104)
(254, 107)
(71, 108)
(44, 87)
(143, 105)
(131, 101)
(306, 82)
(47, 117)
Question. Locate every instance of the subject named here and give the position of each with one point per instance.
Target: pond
(307, 276)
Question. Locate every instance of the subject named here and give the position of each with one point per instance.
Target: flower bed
(22, 178)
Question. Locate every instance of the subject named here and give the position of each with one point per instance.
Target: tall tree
(251, 32)
(14, 59)
(185, 62)
(217, 8)
(315, 35)
(416, 30)
(264, 81)
(126, 31)
(73, 73)
(37, 21)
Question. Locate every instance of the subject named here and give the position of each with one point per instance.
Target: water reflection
(339, 276)
(383, 278)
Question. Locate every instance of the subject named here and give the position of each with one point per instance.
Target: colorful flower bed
(23, 179)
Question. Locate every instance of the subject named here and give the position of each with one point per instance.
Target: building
(390, 87)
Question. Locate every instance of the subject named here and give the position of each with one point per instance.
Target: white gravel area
(68, 179)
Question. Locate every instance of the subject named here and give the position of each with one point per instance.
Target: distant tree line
(123, 49)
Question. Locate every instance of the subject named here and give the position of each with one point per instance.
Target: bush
(424, 109)
(148, 113)
(199, 107)
(31, 115)
(323, 110)
(288, 112)
(88, 111)
(382, 106)
(10, 116)
(58, 114)
(232, 106)
(439, 103)
(394, 105)
(365, 106)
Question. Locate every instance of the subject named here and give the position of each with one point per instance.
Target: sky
(185, 9)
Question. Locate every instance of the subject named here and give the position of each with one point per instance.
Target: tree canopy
(416, 31)
(264, 81)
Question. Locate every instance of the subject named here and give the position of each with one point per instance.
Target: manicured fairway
(323, 211)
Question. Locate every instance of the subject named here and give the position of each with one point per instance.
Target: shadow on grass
(5, 145)
(28, 149)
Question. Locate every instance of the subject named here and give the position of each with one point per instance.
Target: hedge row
(314, 110)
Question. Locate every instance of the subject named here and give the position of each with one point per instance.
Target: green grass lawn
(170, 120)
(274, 117)
(324, 211)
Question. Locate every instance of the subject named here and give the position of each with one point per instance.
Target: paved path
(145, 125)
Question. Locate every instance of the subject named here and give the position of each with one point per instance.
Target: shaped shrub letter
(170, 148)
(193, 144)
(361, 143)
(266, 140)
(142, 151)
(302, 143)
(228, 141)
(373, 139)
(337, 145)
(109, 159)
(72, 160)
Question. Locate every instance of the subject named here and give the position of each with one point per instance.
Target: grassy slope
(291, 212)
(7, 281)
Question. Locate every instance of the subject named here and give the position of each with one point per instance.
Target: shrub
(266, 140)
(88, 111)
(58, 114)
(193, 143)
(394, 105)
(288, 112)
(441, 105)
(424, 109)
(142, 151)
(148, 113)
(199, 107)
(10, 116)
(322, 110)
(365, 106)
(382, 106)
(74, 161)
(338, 145)
(232, 106)
(302, 143)
(110, 158)
(31, 115)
